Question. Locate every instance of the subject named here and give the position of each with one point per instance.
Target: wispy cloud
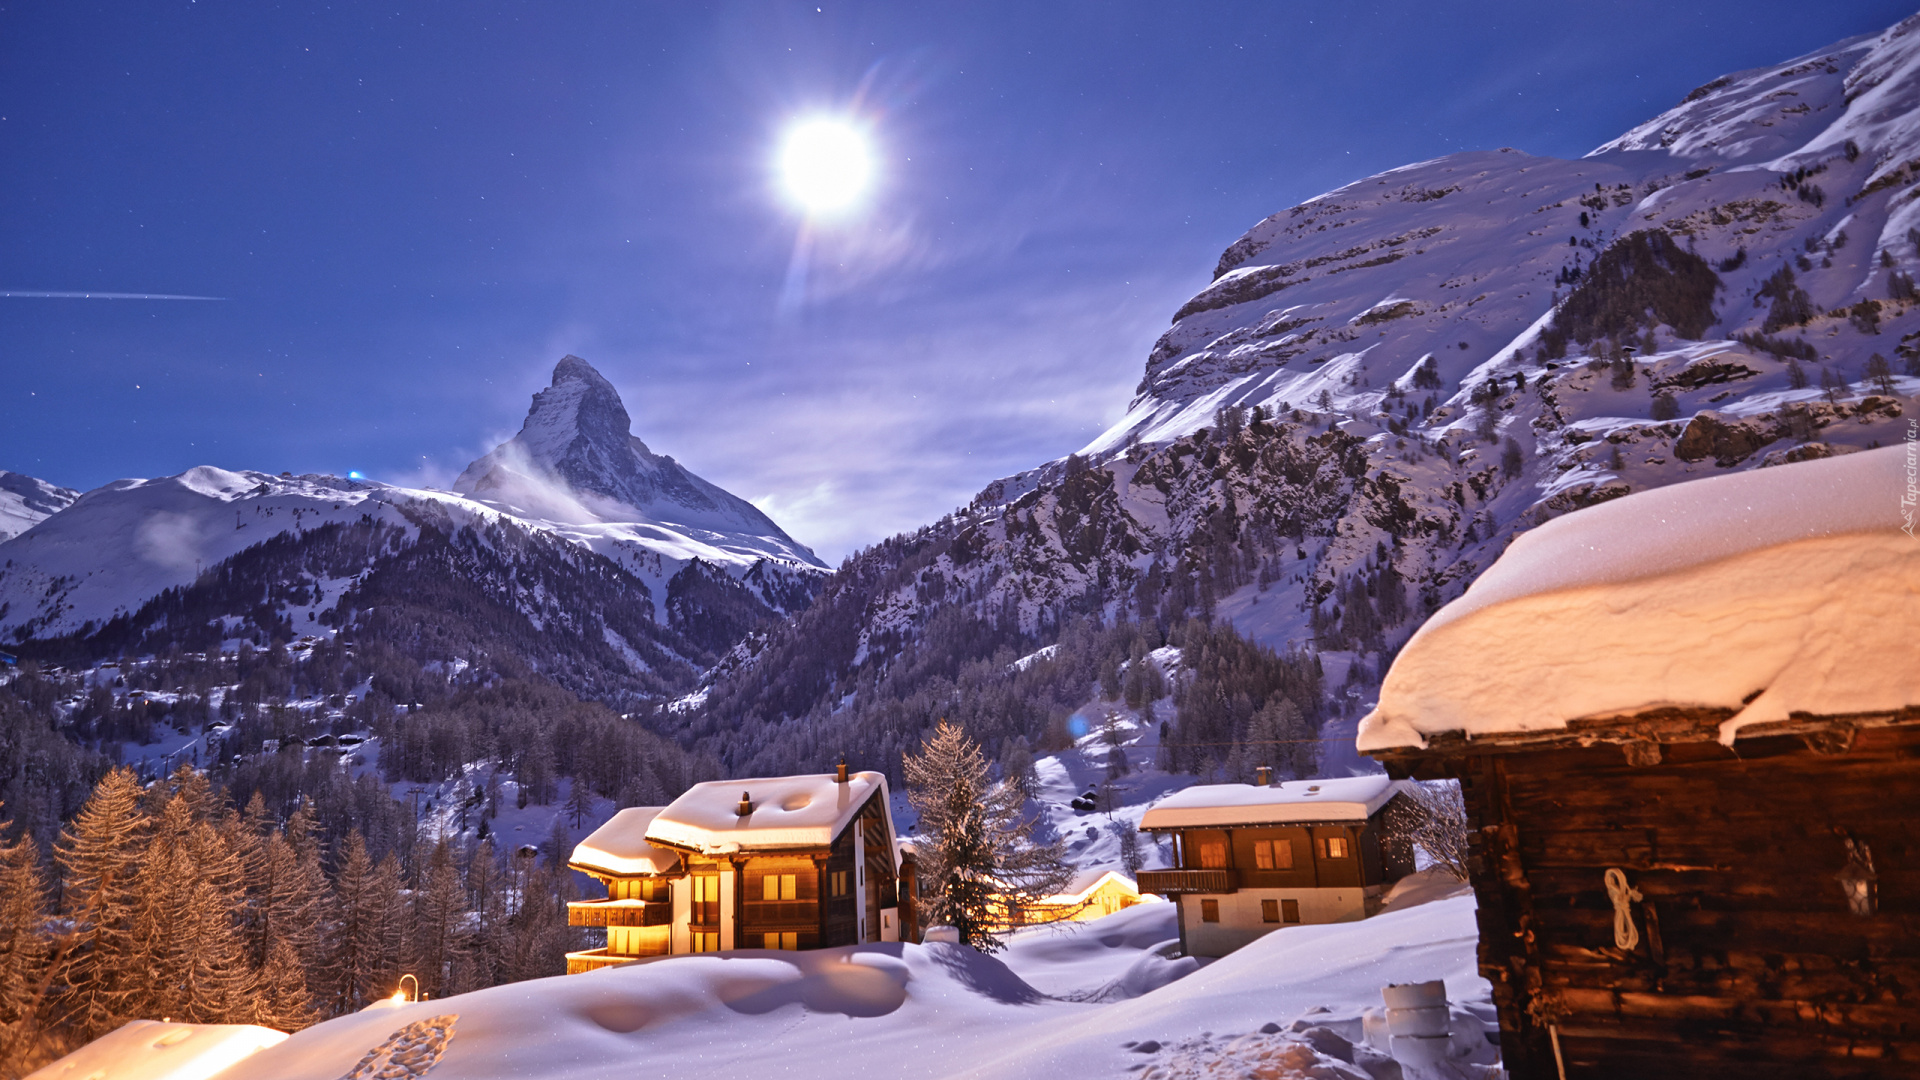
(43, 294)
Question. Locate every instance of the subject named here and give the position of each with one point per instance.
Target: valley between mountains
(1379, 389)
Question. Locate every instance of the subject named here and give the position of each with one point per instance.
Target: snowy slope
(26, 501)
(934, 1011)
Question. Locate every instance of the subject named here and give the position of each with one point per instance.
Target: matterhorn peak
(576, 461)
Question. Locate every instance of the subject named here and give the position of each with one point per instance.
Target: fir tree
(24, 944)
(99, 857)
(361, 941)
(579, 802)
(192, 963)
(980, 864)
(438, 922)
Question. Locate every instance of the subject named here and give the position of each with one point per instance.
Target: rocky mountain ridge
(1385, 384)
(622, 600)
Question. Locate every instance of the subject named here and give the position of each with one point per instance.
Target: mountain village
(1484, 648)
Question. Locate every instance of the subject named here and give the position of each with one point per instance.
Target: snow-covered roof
(1351, 798)
(788, 812)
(1084, 883)
(1772, 592)
(156, 1050)
(620, 846)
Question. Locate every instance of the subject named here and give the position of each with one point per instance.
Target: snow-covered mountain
(1383, 385)
(576, 461)
(26, 501)
(675, 570)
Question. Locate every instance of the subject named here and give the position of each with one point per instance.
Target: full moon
(825, 165)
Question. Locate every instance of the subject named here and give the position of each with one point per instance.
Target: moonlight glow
(825, 165)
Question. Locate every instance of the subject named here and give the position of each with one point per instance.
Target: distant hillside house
(791, 862)
(1251, 859)
(1092, 894)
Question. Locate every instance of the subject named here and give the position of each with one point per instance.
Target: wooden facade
(1655, 904)
(1237, 880)
(685, 897)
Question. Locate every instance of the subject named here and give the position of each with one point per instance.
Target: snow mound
(153, 1050)
(1773, 592)
(717, 1010)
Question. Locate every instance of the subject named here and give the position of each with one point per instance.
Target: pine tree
(438, 918)
(361, 950)
(980, 864)
(99, 858)
(282, 1000)
(192, 963)
(24, 944)
(579, 801)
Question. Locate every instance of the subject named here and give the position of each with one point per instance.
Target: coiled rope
(1625, 934)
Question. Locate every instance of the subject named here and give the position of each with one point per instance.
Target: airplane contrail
(42, 295)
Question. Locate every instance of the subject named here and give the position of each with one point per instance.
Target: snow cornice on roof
(1353, 798)
(1772, 594)
(790, 813)
(619, 848)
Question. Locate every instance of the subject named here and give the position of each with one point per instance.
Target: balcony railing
(578, 962)
(1188, 881)
(619, 913)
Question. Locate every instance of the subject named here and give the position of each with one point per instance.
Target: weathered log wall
(1751, 962)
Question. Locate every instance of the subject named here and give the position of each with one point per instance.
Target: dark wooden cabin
(1771, 887)
(1729, 889)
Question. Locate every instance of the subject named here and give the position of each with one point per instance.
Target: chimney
(746, 805)
(1263, 776)
(840, 772)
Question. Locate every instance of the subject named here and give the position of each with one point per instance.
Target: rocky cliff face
(1385, 384)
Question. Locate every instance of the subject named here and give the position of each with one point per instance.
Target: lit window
(706, 941)
(1336, 847)
(1269, 911)
(780, 887)
(1209, 911)
(1213, 855)
(1273, 854)
(837, 882)
(1290, 911)
(789, 940)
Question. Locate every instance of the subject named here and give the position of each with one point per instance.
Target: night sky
(411, 211)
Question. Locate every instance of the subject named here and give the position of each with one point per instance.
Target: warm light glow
(399, 996)
(825, 165)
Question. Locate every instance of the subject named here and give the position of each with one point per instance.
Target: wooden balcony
(1173, 882)
(578, 962)
(619, 913)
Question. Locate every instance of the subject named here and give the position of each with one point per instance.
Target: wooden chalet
(1686, 724)
(1251, 859)
(791, 862)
